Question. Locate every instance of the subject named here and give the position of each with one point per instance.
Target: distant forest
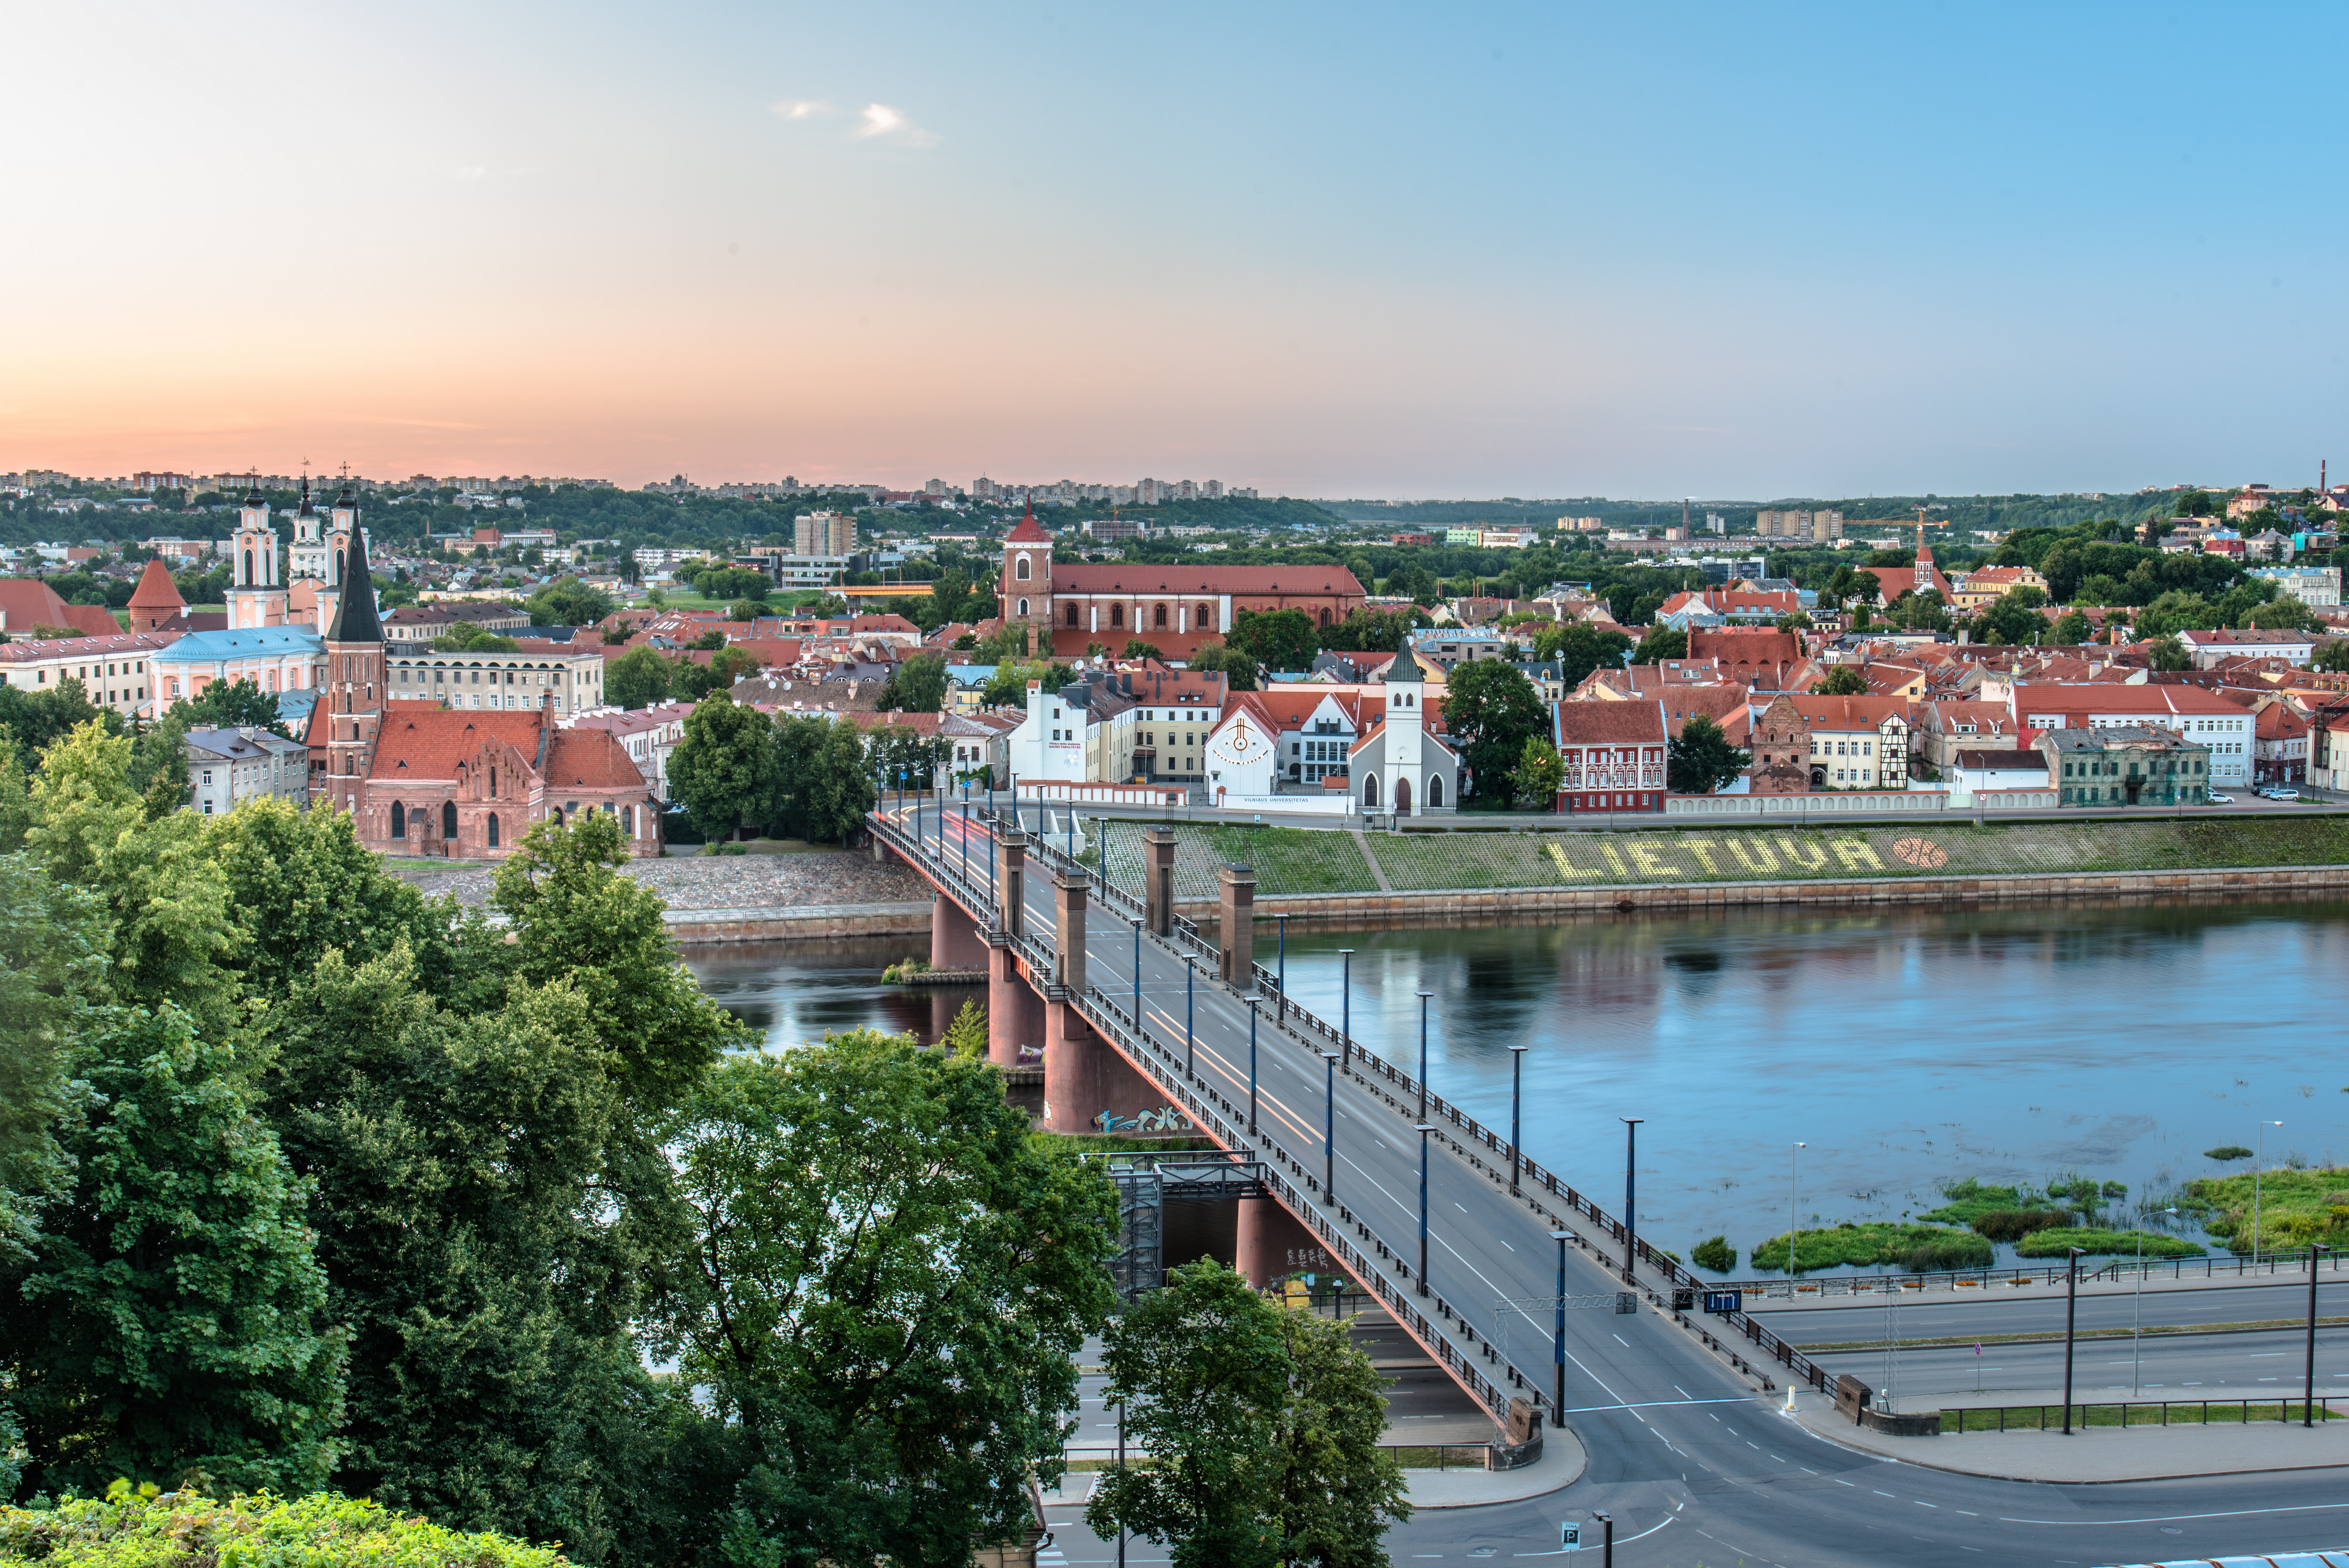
(1984, 511)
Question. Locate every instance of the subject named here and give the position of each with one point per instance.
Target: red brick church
(1181, 608)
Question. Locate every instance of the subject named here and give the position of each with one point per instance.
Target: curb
(1832, 1441)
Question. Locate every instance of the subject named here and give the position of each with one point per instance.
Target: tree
(1843, 680)
(723, 770)
(49, 963)
(966, 1036)
(823, 778)
(690, 682)
(1490, 710)
(2168, 654)
(472, 639)
(1263, 1425)
(884, 1291)
(1005, 644)
(709, 642)
(1276, 639)
(1240, 672)
(1139, 648)
(1662, 642)
(227, 705)
(568, 602)
(1797, 622)
(637, 679)
(917, 685)
(1374, 631)
(2286, 615)
(1008, 687)
(745, 610)
(172, 1324)
(1579, 648)
(1700, 759)
(2070, 627)
(2334, 657)
(1540, 775)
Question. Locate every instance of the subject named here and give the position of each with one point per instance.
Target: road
(1680, 1452)
(1934, 1316)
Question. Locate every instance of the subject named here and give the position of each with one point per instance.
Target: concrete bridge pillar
(1272, 1243)
(1071, 890)
(1014, 1013)
(1236, 933)
(1011, 868)
(1086, 1078)
(954, 939)
(1158, 880)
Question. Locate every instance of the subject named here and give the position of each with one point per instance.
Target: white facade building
(114, 671)
(227, 768)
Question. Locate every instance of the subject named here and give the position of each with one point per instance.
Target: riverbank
(745, 898)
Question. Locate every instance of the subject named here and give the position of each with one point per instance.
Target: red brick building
(1756, 657)
(452, 782)
(1782, 750)
(1614, 755)
(1179, 608)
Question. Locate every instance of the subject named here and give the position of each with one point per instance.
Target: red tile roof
(419, 740)
(156, 591)
(1610, 723)
(1142, 580)
(589, 759)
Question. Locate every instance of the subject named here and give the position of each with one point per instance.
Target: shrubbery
(144, 1528)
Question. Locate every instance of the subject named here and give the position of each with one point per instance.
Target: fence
(1411, 1456)
(2193, 1412)
(2118, 1271)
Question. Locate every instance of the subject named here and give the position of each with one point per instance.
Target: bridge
(1342, 1159)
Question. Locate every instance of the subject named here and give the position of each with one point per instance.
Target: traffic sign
(1724, 1301)
(1570, 1535)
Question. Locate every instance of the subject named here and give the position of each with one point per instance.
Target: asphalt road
(1938, 1316)
(1679, 1451)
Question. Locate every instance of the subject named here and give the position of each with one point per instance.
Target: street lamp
(1516, 1084)
(2257, 1164)
(2136, 1314)
(1630, 1225)
(1253, 1001)
(1190, 1035)
(1423, 995)
(1282, 1012)
(1346, 1006)
(1557, 1337)
(1330, 1128)
(1136, 921)
(2308, 1388)
(1425, 1128)
(1606, 1523)
(1790, 1209)
(2071, 1311)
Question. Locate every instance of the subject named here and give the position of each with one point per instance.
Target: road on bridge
(1690, 1461)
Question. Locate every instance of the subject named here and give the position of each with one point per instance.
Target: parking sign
(1570, 1535)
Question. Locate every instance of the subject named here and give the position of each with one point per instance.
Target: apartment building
(227, 768)
(114, 671)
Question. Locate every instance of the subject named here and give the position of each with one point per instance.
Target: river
(1906, 1048)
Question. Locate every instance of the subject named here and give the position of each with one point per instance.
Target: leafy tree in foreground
(1239, 670)
(823, 778)
(966, 1036)
(917, 685)
(2334, 657)
(1540, 775)
(1276, 639)
(145, 1527)
(637, 679)
(1700, 759)
(1662, 642)
(883, 1295)
(1264, 1425)
(2168, 654)
(723, 770)
(1490, 710)
(172, 1323)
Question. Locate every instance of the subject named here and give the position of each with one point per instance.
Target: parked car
(2219, 800)
(2279, 792)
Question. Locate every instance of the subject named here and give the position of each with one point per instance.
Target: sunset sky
(1540, 249)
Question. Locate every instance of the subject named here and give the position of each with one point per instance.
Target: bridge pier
(1086, 1078)
(954, 939)
(1236, 932)
(1272, 1243)
(1158, 880)
(1014, 1013)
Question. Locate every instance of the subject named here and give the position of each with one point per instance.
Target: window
(447, 819)
(1117, 614)
(1019, 571)
(492, 829)
(1160, 618)
(1073, 615)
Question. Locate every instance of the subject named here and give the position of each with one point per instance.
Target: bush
(2013, 1224)
(1955, 1251)
(1715, 1255)
(148, 1529)
(2105, 1244)
(2227, 1151)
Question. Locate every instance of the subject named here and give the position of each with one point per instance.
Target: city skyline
(1510, 251)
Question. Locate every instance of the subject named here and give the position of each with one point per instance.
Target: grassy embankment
(1326, 861)
(2295, 1207)
(1964, 1232)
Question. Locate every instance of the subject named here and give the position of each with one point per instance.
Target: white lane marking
(1620, 1340)
(2167, 1517)
(1625, 1542)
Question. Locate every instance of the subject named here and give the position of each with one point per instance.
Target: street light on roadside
(2308, 1388)
(1423, 995)
(1790, 1211)
(1557, 1337)
(1280, 1011)
(1606, 1523)
(1517, 1085)
(1630, 1224)
(2258, 1163)
(1330, 1128)
(1425, 1128)
(1253, 1002)
(1346, 1006)
(1136, 921)
(1190, 1014)
(2071, 1314)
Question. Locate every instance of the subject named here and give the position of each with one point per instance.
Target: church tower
(306, 557)
(1024, 594)
(1924, 558)
(342, 531)
(1406, 733)
(351, 694)
(256, 595)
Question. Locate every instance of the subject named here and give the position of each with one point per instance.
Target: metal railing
(2115, 1413)
(2021, 1274)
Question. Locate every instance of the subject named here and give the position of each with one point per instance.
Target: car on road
(2278, 793)
(2219, 800)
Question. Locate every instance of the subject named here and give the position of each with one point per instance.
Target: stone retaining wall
(702, 925)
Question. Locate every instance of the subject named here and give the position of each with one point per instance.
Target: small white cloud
(801, 108)
(879, 120)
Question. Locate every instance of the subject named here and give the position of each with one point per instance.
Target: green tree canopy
(1843, 680)
(1540, 775)
(1701, 759)
(1662, 642)
(2168, 654)
(917, 685)
(1239, 669)
(1579, 648)
(1490, 710)
(883, 1293)
(568, 602)
(723, 770)
(637, 679)
(1374, 631)
(823, 776)
(1276, 639)
(227, 705)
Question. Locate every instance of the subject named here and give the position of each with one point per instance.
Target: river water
(1906, 1048)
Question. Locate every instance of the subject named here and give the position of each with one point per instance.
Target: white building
(113, 671)
(2210, 647)
(2318, 587)
(563, 677)
(2202, 717)
(1397, 765)
(227, 768)
(1050, 743)
(648, 735)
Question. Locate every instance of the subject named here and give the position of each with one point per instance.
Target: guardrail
(2086, 1414)
(2021, 1274)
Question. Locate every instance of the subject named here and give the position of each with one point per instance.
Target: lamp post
(1121, 1465)
(1346, 1006)
(1190, 1035)
(1423, 995)
(1557, 1337)
(2071, 1311)
(1790, 1209)
(1282, 1012)
(1630, 1225)
(2137, 1314)
(1425, 1128)
(1606, 1523)
(1136, 921)
(2308, 1388)
(1252, 1006)
(2257, 1164)
(1517, 1085)
(1330, 1128)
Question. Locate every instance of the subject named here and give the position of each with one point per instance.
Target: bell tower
(350, 694)
(1023, 596)
(257, 595)
(342, 531)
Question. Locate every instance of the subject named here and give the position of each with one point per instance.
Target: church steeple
(350, 699)
(356, 619)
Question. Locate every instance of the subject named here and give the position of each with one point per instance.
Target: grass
(1076, 1143)
(1914, 1247)
(2035, 1417)
(1303, 859)
(2295, 1207)
(2102, 1243)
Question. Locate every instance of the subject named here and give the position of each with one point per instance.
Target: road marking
(1620, 1340)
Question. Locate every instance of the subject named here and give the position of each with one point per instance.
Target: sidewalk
(2093, 1454)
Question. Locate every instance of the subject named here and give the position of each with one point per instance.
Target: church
(1180, 608)
(1400, 765)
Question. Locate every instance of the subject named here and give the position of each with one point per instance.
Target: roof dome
(156, 591)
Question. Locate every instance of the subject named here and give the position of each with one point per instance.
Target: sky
(1368, 250)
